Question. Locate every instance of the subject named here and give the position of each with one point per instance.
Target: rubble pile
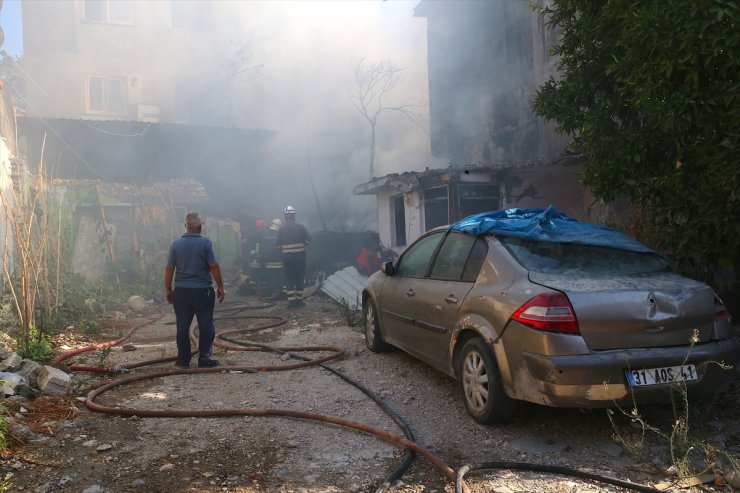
(29, 379)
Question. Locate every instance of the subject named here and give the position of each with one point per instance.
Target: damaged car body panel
(530, 305)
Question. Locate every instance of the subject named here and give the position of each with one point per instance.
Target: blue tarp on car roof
(546, 225)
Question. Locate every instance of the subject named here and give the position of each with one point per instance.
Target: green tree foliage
(648, 90)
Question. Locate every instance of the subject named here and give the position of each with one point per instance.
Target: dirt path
(97, 452)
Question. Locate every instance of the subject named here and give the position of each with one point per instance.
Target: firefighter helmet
(289, 210)
(276, 223)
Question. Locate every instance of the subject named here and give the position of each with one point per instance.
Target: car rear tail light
(720, 311)
(551, 312)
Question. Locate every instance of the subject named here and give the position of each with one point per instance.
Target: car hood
(662, 309)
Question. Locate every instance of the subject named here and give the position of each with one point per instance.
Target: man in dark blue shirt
(191, 262)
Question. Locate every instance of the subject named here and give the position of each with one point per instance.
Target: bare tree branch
(373, 82)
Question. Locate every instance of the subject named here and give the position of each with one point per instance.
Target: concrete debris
(11, 362)
(54, 381)
(11, 383)
(44, 488)
(31, 371)
(137, 303)
(22, 432)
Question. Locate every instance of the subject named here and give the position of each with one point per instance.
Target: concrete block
(31, 371)
(53, 381)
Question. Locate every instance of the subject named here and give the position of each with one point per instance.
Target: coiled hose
(407, 441)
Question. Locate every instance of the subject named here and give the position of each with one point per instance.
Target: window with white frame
(106, 94)
(398, 221)
(111, 11)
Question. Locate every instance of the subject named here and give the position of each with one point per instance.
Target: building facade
(133, 91)
(486, 59)
(123, 60)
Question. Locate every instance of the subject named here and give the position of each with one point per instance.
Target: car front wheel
(373, 339)
(483, 392)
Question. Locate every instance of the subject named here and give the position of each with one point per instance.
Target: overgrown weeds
(351, 314)
(3, 431)
(689, 446)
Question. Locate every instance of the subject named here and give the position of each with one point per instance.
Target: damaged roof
(173, 192)
(411, 180)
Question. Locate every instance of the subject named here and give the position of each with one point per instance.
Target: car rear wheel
(373, 339)
(483, 392)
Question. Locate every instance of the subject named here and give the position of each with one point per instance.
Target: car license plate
(657, 376)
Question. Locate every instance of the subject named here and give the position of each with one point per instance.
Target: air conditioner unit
(148, 113)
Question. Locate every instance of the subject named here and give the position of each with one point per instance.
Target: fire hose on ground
(407, 442)
(230, 313)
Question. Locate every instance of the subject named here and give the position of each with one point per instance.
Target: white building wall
(7, 202)
(412, 211)
(384, 218)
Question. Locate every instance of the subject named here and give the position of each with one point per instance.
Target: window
(415, 260)
(475, 260)
(582, 261)
(451, 259)
(112, 11)
(435, 207)
(106, 95)
(460, 258)
(475, 198)
(398, 227)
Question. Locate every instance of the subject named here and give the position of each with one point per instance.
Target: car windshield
(582, 260)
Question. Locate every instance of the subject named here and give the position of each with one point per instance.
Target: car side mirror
(387, 268)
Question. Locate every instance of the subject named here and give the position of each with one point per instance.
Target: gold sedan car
(556, 312)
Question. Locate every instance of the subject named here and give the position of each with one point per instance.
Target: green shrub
(3, 431)
(351, 315)
(38, 348)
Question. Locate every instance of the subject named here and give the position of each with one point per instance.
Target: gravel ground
(94, 452)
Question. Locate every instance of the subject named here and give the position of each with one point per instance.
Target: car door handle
(410, 293)
(451, 299)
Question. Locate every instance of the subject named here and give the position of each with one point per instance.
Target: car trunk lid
(616, 312)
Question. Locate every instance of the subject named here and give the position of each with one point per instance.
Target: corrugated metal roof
(346, 285)
(408, 180)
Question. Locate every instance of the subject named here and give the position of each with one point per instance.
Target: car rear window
(581, 260)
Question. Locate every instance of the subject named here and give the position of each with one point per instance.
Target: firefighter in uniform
(254, 268)
(271, 261)
(292, 240)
